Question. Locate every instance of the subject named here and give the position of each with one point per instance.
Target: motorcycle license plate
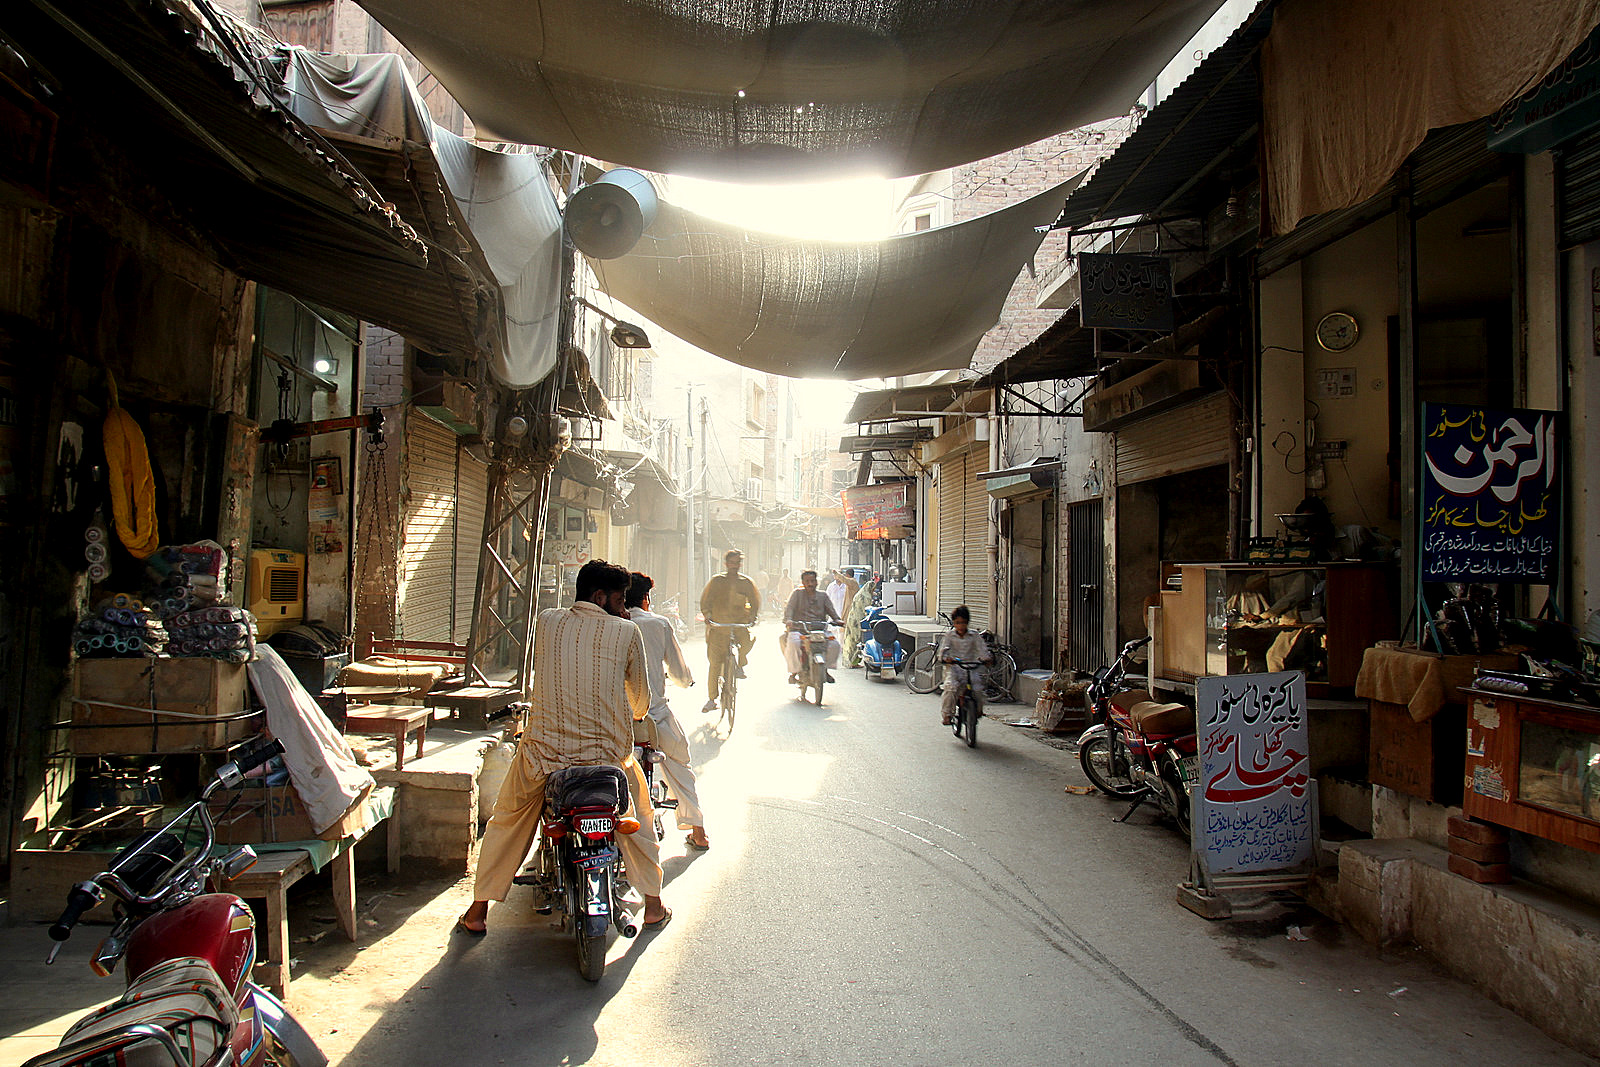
(595, 859)
(596, 825)
(1189, 769)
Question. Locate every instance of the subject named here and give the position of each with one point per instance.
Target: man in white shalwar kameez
(664, 659)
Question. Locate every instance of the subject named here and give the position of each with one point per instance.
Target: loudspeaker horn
(607, 217)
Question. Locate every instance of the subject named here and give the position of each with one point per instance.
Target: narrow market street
(876, 892)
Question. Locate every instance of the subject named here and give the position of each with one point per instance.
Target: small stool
(390, 720)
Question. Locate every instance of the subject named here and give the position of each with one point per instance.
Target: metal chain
(378, 544)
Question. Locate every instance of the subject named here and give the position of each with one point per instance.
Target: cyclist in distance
(729, 597)
(963, 644)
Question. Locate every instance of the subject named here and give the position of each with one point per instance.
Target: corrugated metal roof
(879, 405)
(1157, 168)
(191, 106)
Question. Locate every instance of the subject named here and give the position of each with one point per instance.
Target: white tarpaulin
(503, 196)
(796, 89)
(830, 309)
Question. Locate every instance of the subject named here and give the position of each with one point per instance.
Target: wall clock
(1337, 331)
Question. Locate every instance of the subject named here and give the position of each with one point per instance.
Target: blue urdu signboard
(1491, 494)
(1255, 805)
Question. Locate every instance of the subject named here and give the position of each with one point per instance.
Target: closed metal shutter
(424, 601)
(964, 536)
(1578, 190)
(1186, 438)
(472, 503)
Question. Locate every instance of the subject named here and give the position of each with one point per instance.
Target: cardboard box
(206, 699)
(261, 813)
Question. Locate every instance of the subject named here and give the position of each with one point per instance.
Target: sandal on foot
(697, 846)
(463, 928)
(661, 922)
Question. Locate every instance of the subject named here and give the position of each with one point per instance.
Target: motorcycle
(189, 999)
(882, 655)
(1138, 748)
(576, 868)
(669, 609)
(813, 672)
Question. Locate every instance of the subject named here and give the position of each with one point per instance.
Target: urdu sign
(1255, 806)
(878, 512)
(1125, 292)
(1491, 494)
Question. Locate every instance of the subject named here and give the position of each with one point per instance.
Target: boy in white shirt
(960, 644)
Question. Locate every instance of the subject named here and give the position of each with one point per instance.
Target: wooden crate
(1420, 759)
(109, 693)
(261, 813)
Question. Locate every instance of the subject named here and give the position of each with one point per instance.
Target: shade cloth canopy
(830, 309)
(791, 90)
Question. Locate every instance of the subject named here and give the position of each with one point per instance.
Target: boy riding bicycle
(960, 644)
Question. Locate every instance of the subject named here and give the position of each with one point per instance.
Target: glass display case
(1258, 617)
(1534, 765)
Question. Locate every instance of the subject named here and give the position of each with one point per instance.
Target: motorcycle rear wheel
(1176, 803)
(922, 670)
(591, 948)
(1105, 761)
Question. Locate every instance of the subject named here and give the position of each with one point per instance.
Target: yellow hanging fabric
(133, 485)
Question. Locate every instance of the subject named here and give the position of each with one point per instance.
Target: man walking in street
(807, 605)
(664, 658)
(590, 682)
(729, 599)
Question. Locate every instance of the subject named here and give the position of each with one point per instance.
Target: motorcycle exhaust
(627, 925)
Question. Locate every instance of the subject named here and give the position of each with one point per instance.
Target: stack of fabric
(120, 625)
(222, 632)
(186, 577)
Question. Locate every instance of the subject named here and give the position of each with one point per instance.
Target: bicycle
(924, 671)
(727, 699)
(967, 713)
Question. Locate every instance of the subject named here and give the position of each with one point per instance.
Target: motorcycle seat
(183, 995)
(587, 787)
(1152, 718)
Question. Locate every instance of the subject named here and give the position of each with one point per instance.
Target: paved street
(878, 893)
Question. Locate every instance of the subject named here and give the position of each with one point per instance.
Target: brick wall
(994, 183)
(384, 384)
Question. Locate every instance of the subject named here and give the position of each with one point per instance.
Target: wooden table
(275, 871)
(390, 720)
(377, 694)
(473, 703)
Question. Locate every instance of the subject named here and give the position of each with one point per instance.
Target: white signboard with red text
(1255, 805)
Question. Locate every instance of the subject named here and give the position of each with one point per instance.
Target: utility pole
(705, 484)
(691, 588)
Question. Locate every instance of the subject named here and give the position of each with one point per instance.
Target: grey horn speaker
(607, 217)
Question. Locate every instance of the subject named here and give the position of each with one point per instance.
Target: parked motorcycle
(813, 672)
(576, 868)
(189, 1000)
(882, 654)
(1138, 748)
(669, 609)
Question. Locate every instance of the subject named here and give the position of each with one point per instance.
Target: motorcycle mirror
(238, 861)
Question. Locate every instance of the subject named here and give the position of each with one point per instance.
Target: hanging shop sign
(878, 512)
(1125, 292)
(1491, 494)
(1255, 804)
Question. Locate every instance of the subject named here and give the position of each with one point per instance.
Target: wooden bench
(470, 702)
(448, 652)
(275, 871)
(390, 720)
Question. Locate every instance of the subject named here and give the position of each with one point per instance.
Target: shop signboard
(878, 512)
(1255, 803)
(1491, 494)
(1125, 292)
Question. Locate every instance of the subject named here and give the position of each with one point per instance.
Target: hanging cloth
(133, 485)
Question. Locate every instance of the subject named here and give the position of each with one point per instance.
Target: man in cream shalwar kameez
(590, 683)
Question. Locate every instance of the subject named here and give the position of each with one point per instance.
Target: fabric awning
(490, 215)
(633, 466)
(793, 90)
(830, 309)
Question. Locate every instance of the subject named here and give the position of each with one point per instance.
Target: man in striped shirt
(590, 682)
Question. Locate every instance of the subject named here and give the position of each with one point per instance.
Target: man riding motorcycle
(807, 605)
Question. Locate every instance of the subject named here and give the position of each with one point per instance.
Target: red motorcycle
(190, 1001)
(1138, 748)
